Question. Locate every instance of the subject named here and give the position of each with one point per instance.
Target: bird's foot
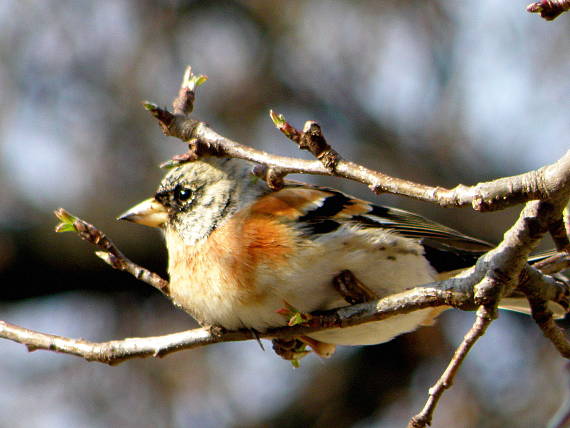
(291, 350)
(351, 289)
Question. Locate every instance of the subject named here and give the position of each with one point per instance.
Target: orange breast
(228, 263)
(250, 242)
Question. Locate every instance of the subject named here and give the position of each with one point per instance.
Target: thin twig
(542, 315)
(549, 9)
(310, 139)
(110, 254)
(544, 183)
(485, 316)
(554, 264)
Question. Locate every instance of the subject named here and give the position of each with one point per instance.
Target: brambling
(239, 252)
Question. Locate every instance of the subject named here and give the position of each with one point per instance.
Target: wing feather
(447, 249)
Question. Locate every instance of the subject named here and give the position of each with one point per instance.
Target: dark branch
(116, 351)
(549, 9)
(542, 315)
(110, 254)
(484, 318)
(541, 184)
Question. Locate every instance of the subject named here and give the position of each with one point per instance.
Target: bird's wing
(319, 210)
(323, 210)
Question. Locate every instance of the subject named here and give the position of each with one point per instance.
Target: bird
(240, 252)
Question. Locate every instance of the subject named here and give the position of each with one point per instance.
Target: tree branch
(549, 9)
(506, 269)
(116, 351)
(484, 318)
(541, 184)
(453, 292)
(543, 318)
(110, 254)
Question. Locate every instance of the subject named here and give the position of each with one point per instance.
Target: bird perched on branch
(239, 253)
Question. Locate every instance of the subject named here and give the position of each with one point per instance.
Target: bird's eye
(182, 193)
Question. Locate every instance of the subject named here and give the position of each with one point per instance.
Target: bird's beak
(149, 212)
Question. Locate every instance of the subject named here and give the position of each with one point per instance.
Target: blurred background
(440, 92)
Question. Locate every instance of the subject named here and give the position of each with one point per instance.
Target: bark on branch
(549, 9)
(117, 351)
(541, 184)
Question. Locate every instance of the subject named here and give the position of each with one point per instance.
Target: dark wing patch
(320, 227)
(446, 249)
(321, 219)
(330, 207)
(446, 259)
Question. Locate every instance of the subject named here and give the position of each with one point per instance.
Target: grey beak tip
(148, 213)
(124, 216)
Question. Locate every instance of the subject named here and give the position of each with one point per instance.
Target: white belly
(383, 262)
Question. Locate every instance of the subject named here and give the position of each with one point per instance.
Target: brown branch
(534, 284)
(274, 177)
(116, 351)
(110, 254)
(549, 9)
(543, 183)
(542, 315)
(506, 264)
(560, 235)
(311, 139)
(554, 264)
(484, 318)
(454, 292)
(510, 256)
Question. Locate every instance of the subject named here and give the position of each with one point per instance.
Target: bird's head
(195, 198)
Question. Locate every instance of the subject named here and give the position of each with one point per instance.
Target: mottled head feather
(199, 196)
